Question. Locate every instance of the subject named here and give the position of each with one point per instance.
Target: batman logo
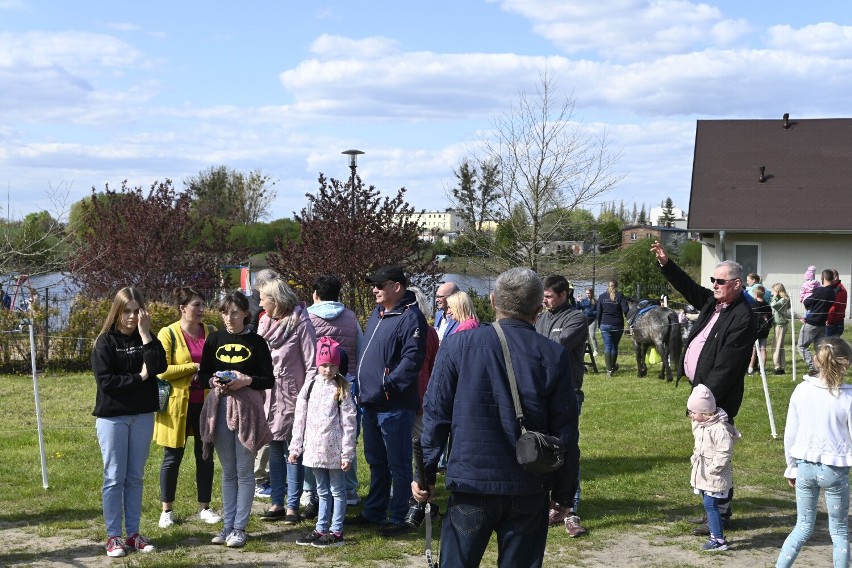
(233, 353)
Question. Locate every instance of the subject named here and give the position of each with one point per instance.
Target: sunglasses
(381, 285)
(721, 281)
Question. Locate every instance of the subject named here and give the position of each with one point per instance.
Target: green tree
(638, 266)
(260, 237)
(231, 196)
(689, 254)
(477, 192)
(36, 245)
(667, 218)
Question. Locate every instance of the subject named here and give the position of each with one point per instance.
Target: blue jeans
(611, 335)
(835, 481)
(331, 487)
(284, 477)
(387, 449)
(714, 517)
(520, 522)
(125, 442)
(237, 463)
(834, 330)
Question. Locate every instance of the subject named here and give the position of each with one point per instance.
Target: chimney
(762, 177)
(786, 120)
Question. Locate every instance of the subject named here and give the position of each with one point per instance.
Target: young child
(808, 286)
(712, 474)
(763, 311)
(324, 435)
(818, 448)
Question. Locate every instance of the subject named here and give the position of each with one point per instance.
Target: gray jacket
(568, 327)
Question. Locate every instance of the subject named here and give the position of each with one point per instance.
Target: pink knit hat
(701, 401)
(328, 352)
(810, 273)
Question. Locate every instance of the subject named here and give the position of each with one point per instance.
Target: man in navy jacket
(469, 395)
(389, 361)
(444, 324)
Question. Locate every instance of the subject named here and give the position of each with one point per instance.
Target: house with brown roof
(774, 195)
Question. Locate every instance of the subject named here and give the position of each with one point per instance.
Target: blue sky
(97, 92)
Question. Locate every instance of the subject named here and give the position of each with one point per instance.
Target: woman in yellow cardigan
(183, 342)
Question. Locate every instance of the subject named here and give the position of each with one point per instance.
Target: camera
(416, 510)
(225, 377)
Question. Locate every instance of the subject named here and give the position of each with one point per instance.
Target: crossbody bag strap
(510, 370)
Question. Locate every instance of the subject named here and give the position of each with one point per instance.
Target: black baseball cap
(385, 273)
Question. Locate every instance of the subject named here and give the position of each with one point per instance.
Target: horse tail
(675, 341)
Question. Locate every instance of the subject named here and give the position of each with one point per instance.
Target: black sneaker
(361, 520)
(328, 540)
(310, 539)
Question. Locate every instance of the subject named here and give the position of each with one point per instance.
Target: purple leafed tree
(350, 234)
(148, 241)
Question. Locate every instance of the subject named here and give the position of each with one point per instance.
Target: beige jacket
(711, 457)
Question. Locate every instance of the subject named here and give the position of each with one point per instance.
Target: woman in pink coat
(292, 340)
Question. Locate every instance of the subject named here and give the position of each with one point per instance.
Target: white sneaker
(166, 519)
(221, 538)
(236, 539)
(209, 516)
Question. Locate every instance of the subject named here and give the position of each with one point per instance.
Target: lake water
(484, 285)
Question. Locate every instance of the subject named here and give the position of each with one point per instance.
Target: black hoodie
(117, 361)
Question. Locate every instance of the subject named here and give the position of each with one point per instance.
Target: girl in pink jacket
(324, 435)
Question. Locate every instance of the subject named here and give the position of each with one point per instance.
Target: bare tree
(549, 165)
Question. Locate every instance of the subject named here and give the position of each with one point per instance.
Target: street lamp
(353, 165)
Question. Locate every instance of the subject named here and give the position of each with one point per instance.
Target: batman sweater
(246, 353)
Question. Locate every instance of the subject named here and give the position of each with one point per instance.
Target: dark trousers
(520, 522)
(172, 458)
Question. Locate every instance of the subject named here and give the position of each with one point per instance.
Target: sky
(95, 92)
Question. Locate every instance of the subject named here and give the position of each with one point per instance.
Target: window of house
(748, 255)
(633, 236)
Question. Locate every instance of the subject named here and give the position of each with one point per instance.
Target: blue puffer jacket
(391, 354)
(469, 394)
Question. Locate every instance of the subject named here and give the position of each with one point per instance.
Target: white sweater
(819, 426)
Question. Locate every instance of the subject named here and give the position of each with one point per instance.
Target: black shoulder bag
(535, 452)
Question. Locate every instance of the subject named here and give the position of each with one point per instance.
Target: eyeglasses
(381, 285)
(721, 281)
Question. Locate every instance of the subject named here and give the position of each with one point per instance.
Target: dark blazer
(725, 356)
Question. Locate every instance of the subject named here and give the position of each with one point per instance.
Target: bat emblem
(233, 353)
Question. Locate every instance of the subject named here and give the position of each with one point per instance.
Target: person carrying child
(324, 435)
(818, 449)
(712, 473)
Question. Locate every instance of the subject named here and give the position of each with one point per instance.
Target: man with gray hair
(469, 396)
(718, 349)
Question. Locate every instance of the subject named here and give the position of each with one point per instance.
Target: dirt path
(647, 547)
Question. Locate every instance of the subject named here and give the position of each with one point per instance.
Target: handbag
(536, 452)
(164, 390)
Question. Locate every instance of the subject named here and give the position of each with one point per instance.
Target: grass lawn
(635, 442)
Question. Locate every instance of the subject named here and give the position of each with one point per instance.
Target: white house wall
(784, 258)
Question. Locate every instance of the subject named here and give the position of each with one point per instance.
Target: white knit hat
(701, 401)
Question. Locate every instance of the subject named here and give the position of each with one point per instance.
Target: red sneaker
(115, 547)
(139, 543)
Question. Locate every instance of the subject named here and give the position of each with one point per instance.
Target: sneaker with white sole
(236, 539)
(328, 540)
(167, 519)
(714, 545)
(573, 526)
(263, 491)
(309, 539)
(352, 498)
(209, 516)
(115, 547)
(556, 515)
(222, 537)
(139, 543)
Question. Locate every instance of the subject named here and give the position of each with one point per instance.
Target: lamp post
(353, 165)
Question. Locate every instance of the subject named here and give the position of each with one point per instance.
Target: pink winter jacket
(324, 432)
(293, 363)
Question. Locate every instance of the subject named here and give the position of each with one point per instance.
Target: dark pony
(653, 325)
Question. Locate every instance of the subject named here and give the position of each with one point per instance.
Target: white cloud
(331, 46)
(123, 26)
(829, 39)
(628, 30)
